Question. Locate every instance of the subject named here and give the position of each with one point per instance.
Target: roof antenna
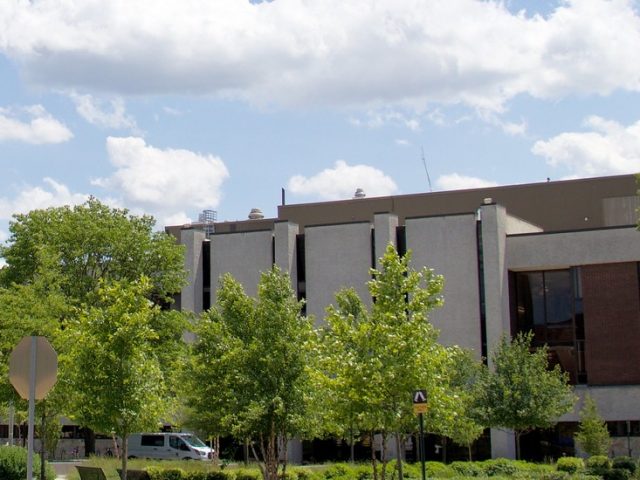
(424, 162)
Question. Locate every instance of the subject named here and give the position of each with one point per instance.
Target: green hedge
(570, 464)
(13, 464)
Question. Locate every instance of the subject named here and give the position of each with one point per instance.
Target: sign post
(33, 368)
(420, 407)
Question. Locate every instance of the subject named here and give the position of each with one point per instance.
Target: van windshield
(193, 441)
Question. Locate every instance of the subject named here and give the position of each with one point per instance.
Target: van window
(177, 443)
(152, 440)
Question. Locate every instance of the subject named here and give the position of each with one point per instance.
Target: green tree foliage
(111, 365)
(521, 392)
(248, 375)
(373, 361)
(90, 242)
(592, 435)
(56, 260)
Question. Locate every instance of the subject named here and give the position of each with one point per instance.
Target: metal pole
(12, 412)
(421, 449)
(32, 406)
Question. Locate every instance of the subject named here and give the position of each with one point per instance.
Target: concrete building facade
(561, 259)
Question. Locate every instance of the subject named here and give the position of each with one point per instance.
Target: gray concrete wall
(494, 221)
(448, 245)
(336, 256)
(244, 255)
(384, 225)
(561, 250)
(285, 249)
(191, 295)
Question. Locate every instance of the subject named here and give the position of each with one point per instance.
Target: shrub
(248, 475)
(339, 471)
(499, 467)
(626, 463)
(599, 461)
(214, 475)
(306, 474)
(13, 464)
(439, 470)
(570, 464)
(467, 469)
(598, 465)
(158, 473)
(559, 475)
(616, 474)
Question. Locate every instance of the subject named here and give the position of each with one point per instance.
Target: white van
(168, 446)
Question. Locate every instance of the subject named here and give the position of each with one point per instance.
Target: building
(559, 258)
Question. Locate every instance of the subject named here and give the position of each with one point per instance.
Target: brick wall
(611, 297)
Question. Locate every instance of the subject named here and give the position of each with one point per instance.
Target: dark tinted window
(152, 441)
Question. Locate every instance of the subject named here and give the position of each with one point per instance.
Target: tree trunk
(444, 449)
(43, 456)
(89, 442)
(399, 456)
(125, 454)
(374, 466)
(517, 445)
(352, 449)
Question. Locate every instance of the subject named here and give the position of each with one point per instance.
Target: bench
(91, 473)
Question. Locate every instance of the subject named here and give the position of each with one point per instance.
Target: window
(549, 304)
(152, 440)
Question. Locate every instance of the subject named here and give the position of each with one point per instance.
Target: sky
(168, 108)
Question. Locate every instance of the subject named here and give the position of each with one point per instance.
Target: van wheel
(187, 458)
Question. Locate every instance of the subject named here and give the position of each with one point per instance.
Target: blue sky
(171, 107)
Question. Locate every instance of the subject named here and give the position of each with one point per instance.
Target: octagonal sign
(46, 366)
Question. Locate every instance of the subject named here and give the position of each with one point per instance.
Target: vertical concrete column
(191, 295)
(496, 292)
(384, 225)
(285, 258)
(285, 249)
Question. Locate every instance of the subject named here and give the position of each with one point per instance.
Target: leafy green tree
(62, 255)
(92, 242)
(592, 435)
(249, 369)
(453, 416)
(521, 392)
(374, 360)
(111, 364)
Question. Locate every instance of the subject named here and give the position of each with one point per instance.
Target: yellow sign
(420, 408)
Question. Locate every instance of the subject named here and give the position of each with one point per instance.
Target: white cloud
(51, 194)
(342, 181)
(455, 181)
(32, 124)
(402, 142)
(163, 181)
(365, 53)
(609, 148)
(106, 114)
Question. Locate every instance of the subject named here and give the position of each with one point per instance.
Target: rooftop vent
(255, 214)
(359, 193)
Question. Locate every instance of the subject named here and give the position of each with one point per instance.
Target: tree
(453, 416)
(249, 371)
(375, 360)
(92, 242)
(111, 364)
(522, 393)
(592, 435)
(71, 250)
